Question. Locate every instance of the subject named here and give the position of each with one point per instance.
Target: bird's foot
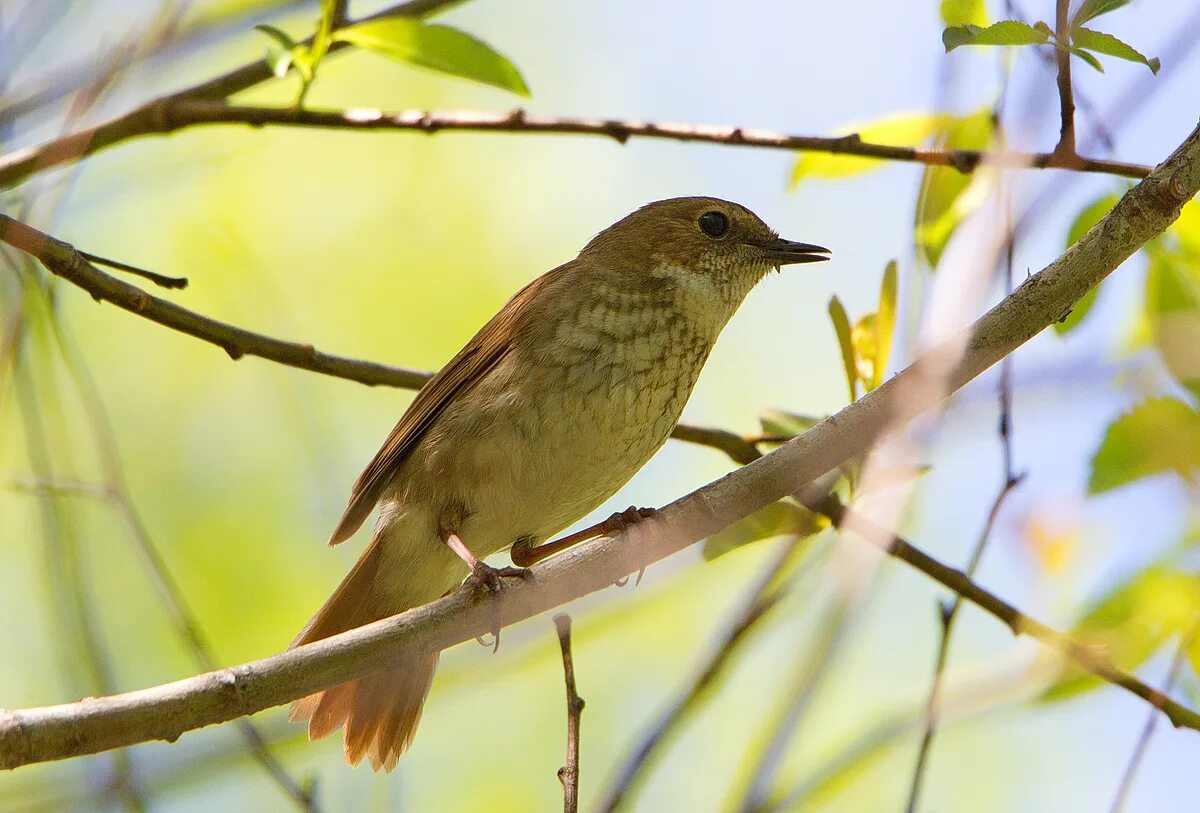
(490, 580)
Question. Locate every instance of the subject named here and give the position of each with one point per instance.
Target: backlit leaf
(1132, 622)
(885, 322)
(777, 519)
(899, 129)
(1160, 435)
(841, 326)
(1173, 306)
(786, 424)
(964, 12)
(437, 47)
(944, 201)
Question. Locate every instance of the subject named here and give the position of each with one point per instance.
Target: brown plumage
(556, 402)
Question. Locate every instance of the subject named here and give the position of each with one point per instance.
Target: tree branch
(165, 712)
(1066, 149)
(17, 166)
(170, 115)
(65, 261)
(568, 774)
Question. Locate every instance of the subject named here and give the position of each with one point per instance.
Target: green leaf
(777, 519)
(1160, 435)
(885, 322)
(964, 12)
(1084, 221)
(947, 196)
(1091, 9)
(1132, 622)
(280, 37)
(1088, 58)
(1172, 306)
(1103, 43)
(1005, 32)
(439, 48)
(841, 326)
(900, 129)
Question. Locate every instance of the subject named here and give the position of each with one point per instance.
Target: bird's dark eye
(714, 224)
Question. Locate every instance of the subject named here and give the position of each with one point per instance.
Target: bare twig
(1143, 742)
(161, 280)
(568, 774)
(763, 595)
(57, 732)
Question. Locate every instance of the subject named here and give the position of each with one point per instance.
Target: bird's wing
(480, 355)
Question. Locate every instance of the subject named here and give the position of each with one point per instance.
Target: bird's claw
(490, 580)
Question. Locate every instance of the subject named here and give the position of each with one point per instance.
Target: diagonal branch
(165, 712)
(65, 261)
(172, 114)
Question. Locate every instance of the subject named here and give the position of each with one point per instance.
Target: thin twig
(811, 668)
(1066, 103)
(56, 732)
(763, 595)
(1143, 742)
(160, 280)
(568, 774)
(173, 115)
(187, 626)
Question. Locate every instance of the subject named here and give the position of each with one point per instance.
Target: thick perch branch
(165, 712)
(173, 113)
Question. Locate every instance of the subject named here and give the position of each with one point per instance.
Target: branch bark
(172, 114)
(165, 712)
(568, 774)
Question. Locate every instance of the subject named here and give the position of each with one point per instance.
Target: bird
(543, 415)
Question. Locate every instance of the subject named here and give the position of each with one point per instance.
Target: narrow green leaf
(280, 37)
(439, 48)
(1088, 58)
(947, 196)
(777, 519)
(1091, 9)
(841, 326)
(1103, 43)
(901, 129)
(1157, 436)
(1005, 32)
(885, 322)
(1084, 221)
(964, 12)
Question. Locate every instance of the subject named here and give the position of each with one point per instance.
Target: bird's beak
(789, 252)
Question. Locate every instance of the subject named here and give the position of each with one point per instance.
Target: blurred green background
(395, 247)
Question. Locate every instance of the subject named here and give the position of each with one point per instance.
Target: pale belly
(525, 458)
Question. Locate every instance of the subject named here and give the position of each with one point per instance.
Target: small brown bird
(549, 409)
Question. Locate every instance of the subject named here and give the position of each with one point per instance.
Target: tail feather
(379, 712)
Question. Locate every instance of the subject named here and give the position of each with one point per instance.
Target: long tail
(380, 712)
